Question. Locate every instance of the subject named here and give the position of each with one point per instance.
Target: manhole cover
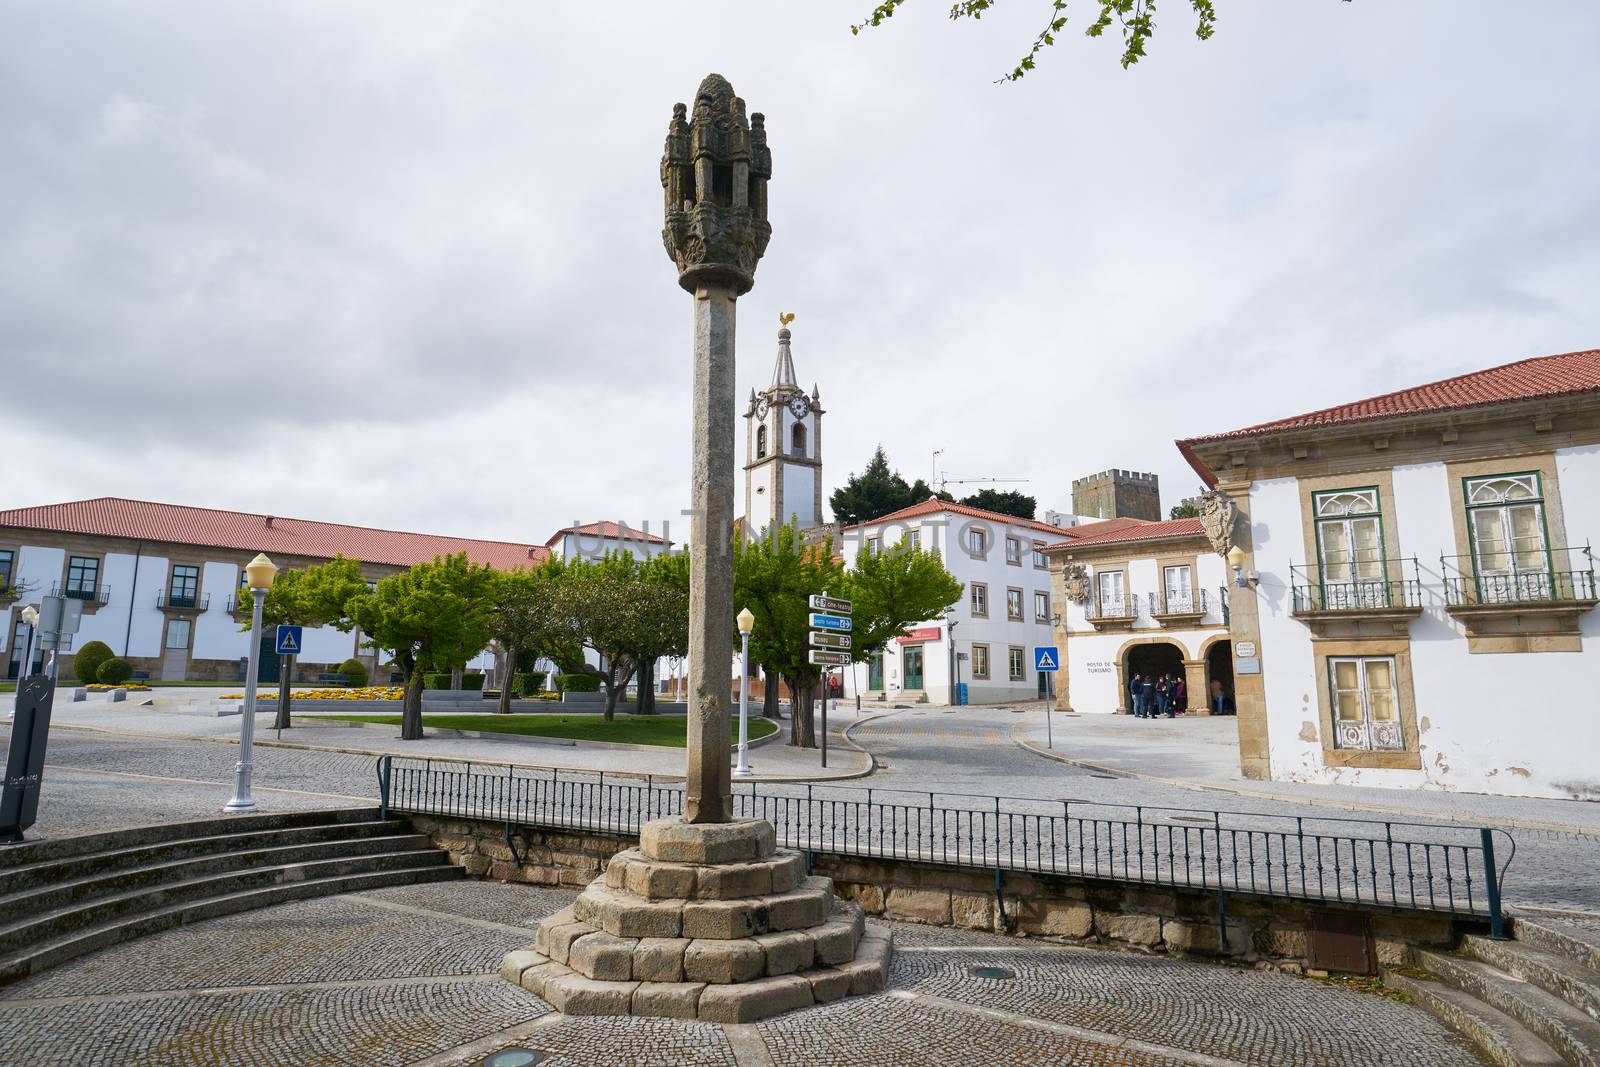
(992, 972)
(514, 1057)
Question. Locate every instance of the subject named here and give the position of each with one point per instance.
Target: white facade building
(1419, 591)
(1005, 610)
(1140, 599)
(160, 583)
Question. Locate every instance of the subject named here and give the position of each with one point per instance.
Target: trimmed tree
(311, 596)
(525, 619)
(892, 589)
(661, 620)
(432, 610)
(595, 601)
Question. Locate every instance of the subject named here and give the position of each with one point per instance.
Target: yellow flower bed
(132, 687)
(371, 692)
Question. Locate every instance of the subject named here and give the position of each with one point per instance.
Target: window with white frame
(1014, 551)
(1506, 521)
(1366, 703)
(980, 661)
(914, 538)
(1111, 599)
(1177, 588)
(1014, 604)
(1039, 559)
(8, 562)
(1015, 664)
(872, 546)
(977, 540)
(1041, 607)
(178, 633)
(1350, 548)
(980, 599)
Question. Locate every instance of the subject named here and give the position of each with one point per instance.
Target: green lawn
(664, 730)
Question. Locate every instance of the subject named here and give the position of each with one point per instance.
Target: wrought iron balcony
(1318, 591)
(89, 594)
(1112, 613)
(1514, 580)
(1179, 609)
(182, 601)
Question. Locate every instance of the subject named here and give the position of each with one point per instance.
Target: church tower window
(797, 438)
(761, 442)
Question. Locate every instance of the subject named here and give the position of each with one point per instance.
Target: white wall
(799, 494)
(1512, 723)
(216, 633)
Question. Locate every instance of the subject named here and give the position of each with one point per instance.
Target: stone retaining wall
(1163, 919)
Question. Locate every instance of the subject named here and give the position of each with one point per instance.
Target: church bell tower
(783, 448)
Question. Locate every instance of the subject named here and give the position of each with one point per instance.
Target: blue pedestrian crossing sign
(1046, 658)
(288, 640)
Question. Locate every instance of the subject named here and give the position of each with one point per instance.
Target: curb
(506, 735)
(1317, 802)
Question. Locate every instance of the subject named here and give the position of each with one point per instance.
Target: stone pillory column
(708, 918)
(714, 173)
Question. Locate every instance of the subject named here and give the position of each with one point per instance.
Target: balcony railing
(89, 594)
(1118, 609)
(1176, 605)
(1536, 577)
(1318, 590)
(182, 601)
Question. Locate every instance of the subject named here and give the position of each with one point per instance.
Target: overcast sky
(399, 264)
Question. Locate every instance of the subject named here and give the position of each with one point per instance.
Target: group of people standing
(1158, 695)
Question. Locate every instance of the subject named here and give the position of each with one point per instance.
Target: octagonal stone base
(703, 921)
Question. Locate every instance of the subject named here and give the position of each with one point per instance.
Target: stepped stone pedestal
(707, 921)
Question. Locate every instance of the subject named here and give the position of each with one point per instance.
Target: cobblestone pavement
(406, 976)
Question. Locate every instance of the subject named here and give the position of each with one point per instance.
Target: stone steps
(1567, 937)
(76, 895)
(1554, 973)
(1500, 1037)
(1568, 1030)
(706, 921)
(16, 879)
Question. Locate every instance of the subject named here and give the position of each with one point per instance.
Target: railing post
(1497, 929)
(385, 765)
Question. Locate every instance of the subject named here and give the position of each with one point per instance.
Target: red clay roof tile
(143, 520)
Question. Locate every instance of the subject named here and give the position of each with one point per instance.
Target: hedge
(530, 684)
(473, 683)
(114, 671)
(86, 664)
(469, 682)
(356, 671)
(578, 683)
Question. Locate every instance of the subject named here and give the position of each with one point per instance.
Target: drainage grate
(991, 972)
(514, 1057)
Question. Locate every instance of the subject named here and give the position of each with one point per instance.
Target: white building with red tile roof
(593, 540)
(1141, 601)
(160, 582)
(1418, 608)
(1006, 607)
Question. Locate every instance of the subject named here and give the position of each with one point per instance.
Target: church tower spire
(783, 448)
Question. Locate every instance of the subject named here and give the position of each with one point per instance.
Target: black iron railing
(1112, 608)
(1197, 602)
(92, 594)
(182, 602)
(1440, 868)
(1317, 589)
(1524, 576)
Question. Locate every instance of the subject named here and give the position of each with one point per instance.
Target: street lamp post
(259, 573)
(747, 622)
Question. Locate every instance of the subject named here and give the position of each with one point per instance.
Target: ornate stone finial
(1218, 514)
(714, 171)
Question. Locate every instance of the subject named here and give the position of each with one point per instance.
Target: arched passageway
(1219, 678)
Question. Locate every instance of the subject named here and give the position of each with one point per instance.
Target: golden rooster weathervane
(785, 318)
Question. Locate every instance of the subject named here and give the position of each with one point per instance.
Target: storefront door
(875, 671)
(913, 665)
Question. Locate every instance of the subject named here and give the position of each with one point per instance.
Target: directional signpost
(1047, 660)
(830, 631)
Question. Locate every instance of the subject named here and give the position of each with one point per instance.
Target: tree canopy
(1006, 502)
(894, 588)
(1186, 509)
(875, 492)
(310, 596)
(1136, 19)
(435, 614)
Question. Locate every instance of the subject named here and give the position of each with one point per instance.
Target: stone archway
(1218, 658)
(1163, 654)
